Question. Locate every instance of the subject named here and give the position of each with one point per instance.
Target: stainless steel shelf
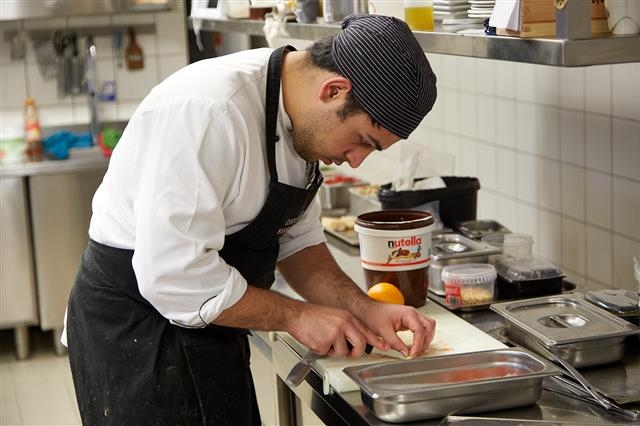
(545, 51)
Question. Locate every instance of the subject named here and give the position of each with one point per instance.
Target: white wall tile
(525, 85)
(58, 115)
(549, 238)
(486, 118)
(527, 223)
(487, 166)
(626, 148)
(527, 178)
(506, 123)
(624, 249)
(598, 142)
(599, 199)
(572, 88)
(507, 212)
(136, 84)
(626, 207)
(45, 91)
(487, 205)
(505, 79)
(549, 184)
(572, 189)
(467, 73)
(548, 131)
(11, 116)
(572, 137)
(626, 90)
(468, 157)
(506, 164)
(485, 76)
(598, 89)
(467, 114)
(599, 255)
(547, 85)
(527, 131)
(12, 86)
(168, 64)
(448, 75)
(573, 246)
(170, 33)
(453, 120)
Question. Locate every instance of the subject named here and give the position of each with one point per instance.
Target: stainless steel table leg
(59, 347)
(21, 338)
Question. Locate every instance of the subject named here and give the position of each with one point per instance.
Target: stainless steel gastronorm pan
(575, 330)
(427, 388)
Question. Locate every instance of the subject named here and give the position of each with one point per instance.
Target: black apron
(130, 366)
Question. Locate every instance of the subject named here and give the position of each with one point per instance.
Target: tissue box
(538, 19)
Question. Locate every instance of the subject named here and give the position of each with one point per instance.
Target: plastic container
(519, 246)
(12, 145)
(469, 283)
(458, 202)
(530, 277)
(395, 247)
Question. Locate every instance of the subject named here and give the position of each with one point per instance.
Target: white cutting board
(453, 336)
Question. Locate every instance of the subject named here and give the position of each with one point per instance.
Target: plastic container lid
(532, 268)
(511, 244)
(469, 273)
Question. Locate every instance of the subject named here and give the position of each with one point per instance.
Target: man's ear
(334, 88)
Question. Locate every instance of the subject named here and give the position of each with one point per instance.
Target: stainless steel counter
(598, 50)
(347, 408)
(51, 218)
(80, 160)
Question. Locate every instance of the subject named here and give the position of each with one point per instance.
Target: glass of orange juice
(418, 14)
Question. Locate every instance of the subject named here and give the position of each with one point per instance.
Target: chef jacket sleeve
(179, 220)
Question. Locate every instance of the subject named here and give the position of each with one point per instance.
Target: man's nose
(356, 157)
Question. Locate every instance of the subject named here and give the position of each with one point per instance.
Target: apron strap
(271, 111)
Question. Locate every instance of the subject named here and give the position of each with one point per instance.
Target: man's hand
(385, 320)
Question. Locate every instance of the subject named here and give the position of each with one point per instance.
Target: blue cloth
(58, 144)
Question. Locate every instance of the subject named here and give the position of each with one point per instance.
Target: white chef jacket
(189, 169)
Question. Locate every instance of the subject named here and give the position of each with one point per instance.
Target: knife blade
(303, 367)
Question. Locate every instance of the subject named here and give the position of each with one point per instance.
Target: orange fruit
(386, 292)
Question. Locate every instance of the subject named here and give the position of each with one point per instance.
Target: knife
(303, 367)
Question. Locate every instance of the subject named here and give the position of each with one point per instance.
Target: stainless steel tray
(452, 246)
(434, 387)
(575, 330)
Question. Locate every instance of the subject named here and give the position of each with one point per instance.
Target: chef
(211, 187)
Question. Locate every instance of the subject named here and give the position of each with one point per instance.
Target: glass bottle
(32, 132)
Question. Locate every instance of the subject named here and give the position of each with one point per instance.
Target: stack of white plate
(450, 9)
(481, 8)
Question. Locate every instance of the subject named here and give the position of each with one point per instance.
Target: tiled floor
(37, 391)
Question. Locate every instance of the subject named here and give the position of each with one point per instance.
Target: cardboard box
(538, 19)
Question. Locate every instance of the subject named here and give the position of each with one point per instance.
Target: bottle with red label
(32, 133)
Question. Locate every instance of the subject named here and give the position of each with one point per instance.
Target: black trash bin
(458, 202)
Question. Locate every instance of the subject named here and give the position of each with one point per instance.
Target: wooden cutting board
(453, 336)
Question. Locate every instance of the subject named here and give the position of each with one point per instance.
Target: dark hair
(320, 54)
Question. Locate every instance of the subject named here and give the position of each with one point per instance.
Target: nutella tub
(395, 247)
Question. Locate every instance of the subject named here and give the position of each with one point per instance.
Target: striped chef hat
(390, 75)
